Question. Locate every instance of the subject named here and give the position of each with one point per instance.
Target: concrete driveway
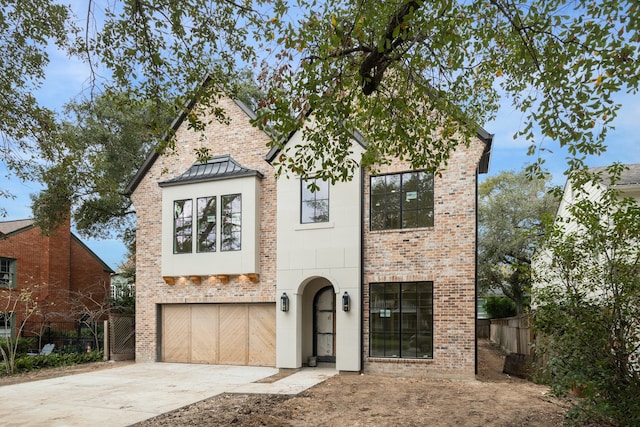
(129, 394)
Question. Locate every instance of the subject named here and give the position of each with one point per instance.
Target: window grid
(401, 320)
(403, 200)
(7, 273)
(314, 196)
(231, 219)
(207, 223)
(182, 226)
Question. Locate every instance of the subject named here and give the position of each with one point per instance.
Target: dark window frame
(187, 246)
(401, 203)
(401, 325)
(207, 231)
(313, 202)
(230, 229)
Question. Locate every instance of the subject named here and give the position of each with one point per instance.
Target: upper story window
(314, 201)
(403, 200)
(207, 222)
(7, 273)
(182, 226)
(231, 222)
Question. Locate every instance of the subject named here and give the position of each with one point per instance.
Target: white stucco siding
(329, 250)
(243, 261)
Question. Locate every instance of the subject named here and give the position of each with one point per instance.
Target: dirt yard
(495, 399)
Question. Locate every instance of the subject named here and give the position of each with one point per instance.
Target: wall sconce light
(346, 301)
(284, 302)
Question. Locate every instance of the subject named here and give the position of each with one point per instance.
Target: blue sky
(67, 79)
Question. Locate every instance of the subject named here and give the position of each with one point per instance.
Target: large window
(207, 224)
(402, 200)
(182, 226)
(315, 201)
(231, 216)
(7, 273)
(401, 320)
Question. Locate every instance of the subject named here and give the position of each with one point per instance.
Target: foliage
(54, 360)
(20, 303)
(90, 160)
(512, 213)
(124, 301)
(499, 307)
(420, 77)
(23, 345)
(588, 301)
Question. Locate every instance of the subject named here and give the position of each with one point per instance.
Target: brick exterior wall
(52, 266)
(444, 254)
(248, 146)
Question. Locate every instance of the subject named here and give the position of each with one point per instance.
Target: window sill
(315, 226)
(398, 360)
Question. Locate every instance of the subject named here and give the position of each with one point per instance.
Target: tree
(511, 218)
(587, 313)
(88, 162)
(18, 306)
(419, 77)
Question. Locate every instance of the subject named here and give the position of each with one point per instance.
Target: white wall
(244, 261)
(328, 250)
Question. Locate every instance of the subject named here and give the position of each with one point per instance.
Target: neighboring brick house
(236, 267)
(53, 267)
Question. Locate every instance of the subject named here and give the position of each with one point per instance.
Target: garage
(226, 334)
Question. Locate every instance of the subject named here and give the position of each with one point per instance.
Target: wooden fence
(513, 334)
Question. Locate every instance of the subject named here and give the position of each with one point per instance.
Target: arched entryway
(324, 325)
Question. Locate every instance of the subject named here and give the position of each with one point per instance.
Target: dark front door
(324, 325)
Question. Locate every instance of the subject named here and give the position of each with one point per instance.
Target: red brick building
(53, 267)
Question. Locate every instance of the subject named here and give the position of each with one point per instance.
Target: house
(234, 266)
(53, 267)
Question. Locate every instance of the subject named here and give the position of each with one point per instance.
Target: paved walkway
(126, 395)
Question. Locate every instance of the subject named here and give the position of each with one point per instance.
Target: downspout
(361, 269)
(475, 269)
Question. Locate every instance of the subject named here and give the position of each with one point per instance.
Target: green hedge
(54, 360)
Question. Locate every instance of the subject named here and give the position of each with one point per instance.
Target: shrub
(499, 307)
(54, 360)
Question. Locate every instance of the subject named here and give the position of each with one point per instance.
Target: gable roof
(629, 176)
(15, 226)
(483, 135)
(219, 167)
(175, 125)
(107, 269)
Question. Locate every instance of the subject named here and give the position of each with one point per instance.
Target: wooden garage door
(229, 334)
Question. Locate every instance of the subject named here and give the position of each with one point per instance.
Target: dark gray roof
(219, 167)
(629, 176)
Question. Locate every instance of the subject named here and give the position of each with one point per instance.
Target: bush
(25, 345)
(499, 307)
(54, 360)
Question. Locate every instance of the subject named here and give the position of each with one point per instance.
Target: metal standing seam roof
(219, 167)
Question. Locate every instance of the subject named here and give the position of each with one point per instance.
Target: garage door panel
(234, 330)
(176, 321)
(262, 335)
(204, 333)
(232, 334)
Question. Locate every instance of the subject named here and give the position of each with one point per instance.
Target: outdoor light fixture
(284, 302)
(346, 301)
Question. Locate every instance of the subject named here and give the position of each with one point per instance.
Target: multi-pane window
(7, 319)
(401, 320)
(402, 200)
(315, 201)
(7, 273)
(182, 226)
(207, 224)
(231, 225)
